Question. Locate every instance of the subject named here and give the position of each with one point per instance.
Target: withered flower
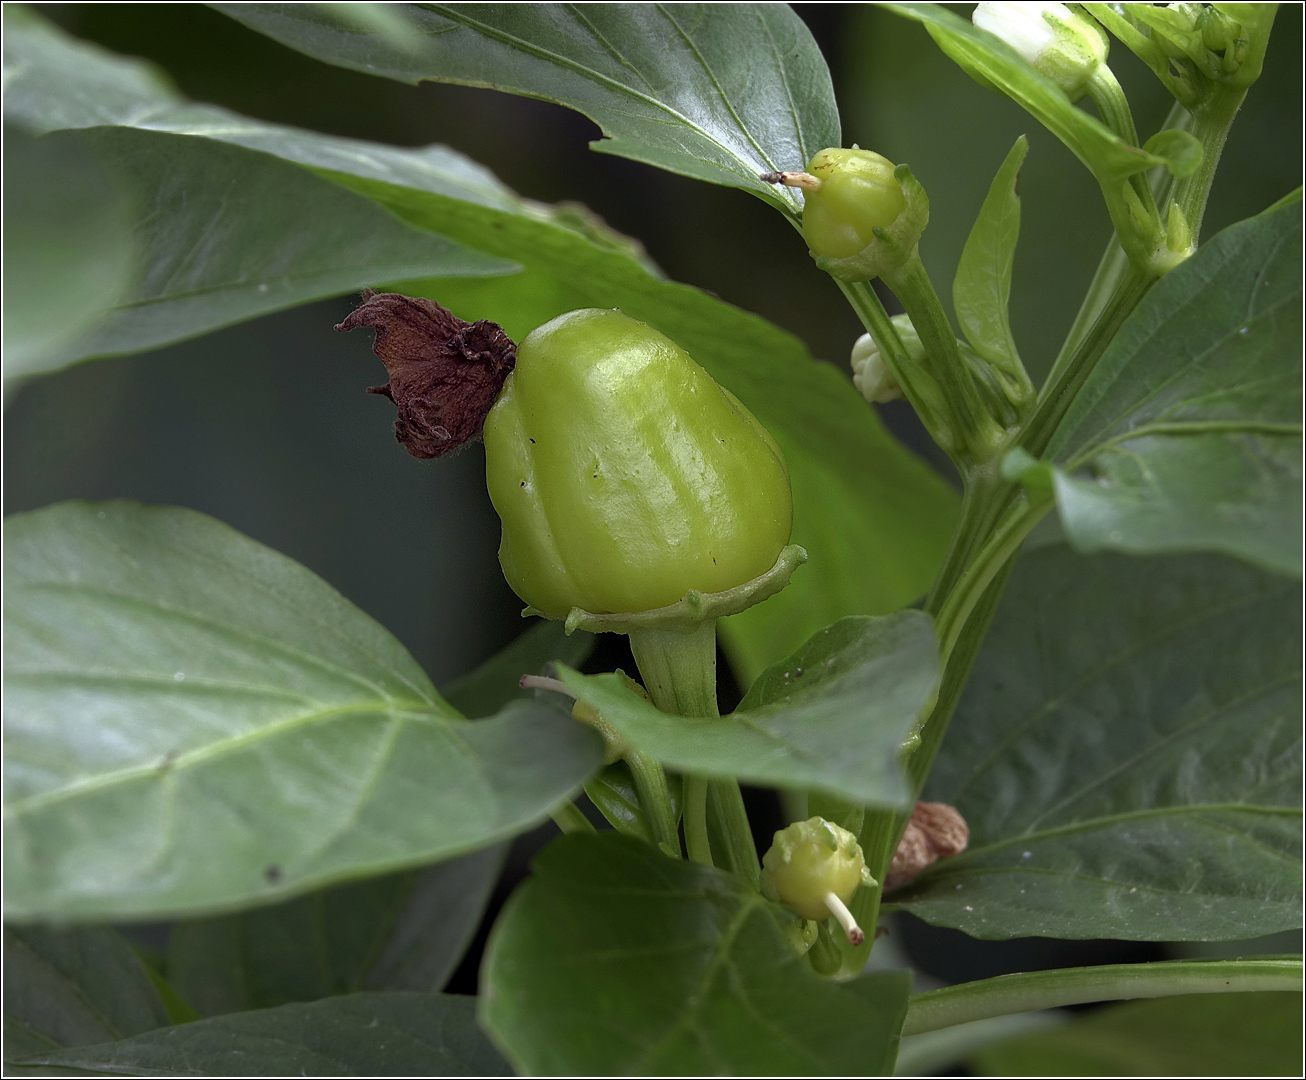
(936, 831)
(445, 373)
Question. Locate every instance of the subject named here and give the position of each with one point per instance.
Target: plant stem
(1211, 123)
(696, 842)
(654, 799)
(1001, 545)
(1028, 991)
(1060, 391)
(568, 817)
(679, 671)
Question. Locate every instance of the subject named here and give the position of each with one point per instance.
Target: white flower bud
(1066, 47)
(871, 375)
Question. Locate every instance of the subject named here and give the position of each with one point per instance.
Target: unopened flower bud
(871, 375)
(815, 866)
(1061, 45)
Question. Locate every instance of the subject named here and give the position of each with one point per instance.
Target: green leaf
(874, 518)
(206, 259)
(719, 92)
(832, 716)
(1187, 435)
(404, 931)
(73, 988)
(1208, 1035)
(68, 249)
(496, 682)
(616, 960)
(993, 62)
(1127, 755)
(982, 288)
(375, 1034)
(195, 723)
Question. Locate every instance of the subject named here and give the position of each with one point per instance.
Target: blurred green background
(267, 427)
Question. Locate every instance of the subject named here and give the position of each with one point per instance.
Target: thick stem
(1211, 123)
(1028, 991)
(979, 433)
(696, 842)
(679, 673)
(1059, 392)
(1111, 102)
(654, 799)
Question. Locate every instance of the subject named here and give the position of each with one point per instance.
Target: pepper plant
(1064, 704)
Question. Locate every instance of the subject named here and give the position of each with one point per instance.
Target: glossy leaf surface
(68, 249)
(1187, 435)
(194, 722)
(617, 960)
(73, 988)
(404, 931)
(873, 517)
(222, 234)
(1203, 1035)
(720, 92)
(832, 716)
(1127, 755)
(357, 1035)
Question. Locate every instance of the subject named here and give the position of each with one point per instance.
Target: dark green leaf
(496, 682)
(73, 988)
(720, 92)
(223, 233)
(983, 284)
(832, 716)
(1127, 755)
(993, 62)
(874, 518)
(358, 1035)
(616, 960)
(1206, 1035)
(404, 931)
(1187, 435)
(195, 723)
(68, 249)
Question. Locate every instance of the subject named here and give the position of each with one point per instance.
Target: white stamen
(840, 911)
(541, 682)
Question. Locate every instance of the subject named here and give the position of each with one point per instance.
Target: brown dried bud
(935, 831)
(445, 373)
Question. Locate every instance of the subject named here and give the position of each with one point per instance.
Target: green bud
(815, 866)
(624, 476)
(862, 215)
(1066, 47)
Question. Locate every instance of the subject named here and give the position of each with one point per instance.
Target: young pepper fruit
(815, 866)
(624, 476)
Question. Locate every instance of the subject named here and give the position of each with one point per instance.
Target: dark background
(266, 425)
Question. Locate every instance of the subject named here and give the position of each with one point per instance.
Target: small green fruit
(624, 476)
(808, 861)
(858, 192)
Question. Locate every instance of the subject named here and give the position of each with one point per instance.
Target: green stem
(654, 799)
(1058, 393)
(679, 671)
(568, 817)
(735, 849)
(1001, 545)
(696, 842)
(1211, 123)
(1112, 104)
(979, 434)
(1028, 991)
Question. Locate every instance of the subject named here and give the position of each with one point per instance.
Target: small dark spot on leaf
(523, 483)
(273, 874)
(532, 442)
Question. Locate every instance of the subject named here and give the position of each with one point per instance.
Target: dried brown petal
(445, 373)
(935, 831)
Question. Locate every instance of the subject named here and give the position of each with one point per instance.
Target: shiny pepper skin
(858, 192)
(624, 476)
